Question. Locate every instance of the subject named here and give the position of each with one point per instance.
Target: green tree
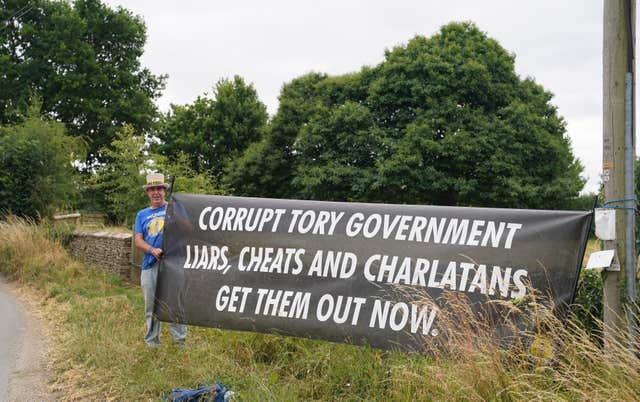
(82, 60)
(213, 131)
(442, 120)
(115, 188)
(185, 179)
(267, 167)
(337, 153)
(36, 172)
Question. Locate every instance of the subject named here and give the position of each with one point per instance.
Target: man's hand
(156, 252)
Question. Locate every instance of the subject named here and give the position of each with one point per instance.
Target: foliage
(212, 131)
(584, 202)
(82, 60)
(59, 231)
(337, 154)
(186, 179)
(442, 120)
(587, 309)
(36, 172)
(116, 187)
(267, 167)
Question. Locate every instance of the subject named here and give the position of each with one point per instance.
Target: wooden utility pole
(618, 65)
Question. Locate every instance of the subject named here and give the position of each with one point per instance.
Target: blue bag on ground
(212, 393)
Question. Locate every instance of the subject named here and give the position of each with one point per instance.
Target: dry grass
(546, 359)
(100, 355)
(28, 256)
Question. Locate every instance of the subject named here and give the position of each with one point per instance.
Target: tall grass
(27, 255)
(100, 354)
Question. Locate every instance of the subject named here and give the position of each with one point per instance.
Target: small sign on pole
(603, 260)
(605, 223)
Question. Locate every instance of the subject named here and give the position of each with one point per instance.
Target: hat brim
(147, 186)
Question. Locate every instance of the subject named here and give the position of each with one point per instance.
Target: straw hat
(155, 180)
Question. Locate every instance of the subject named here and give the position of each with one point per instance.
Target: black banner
(351, 272)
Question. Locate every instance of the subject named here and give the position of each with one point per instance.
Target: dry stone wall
(109, 251)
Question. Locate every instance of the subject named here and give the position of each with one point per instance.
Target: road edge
(30, 377)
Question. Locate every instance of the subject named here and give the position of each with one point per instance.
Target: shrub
(116, 186)
(59, 231)
(587, 308)
(36, 172)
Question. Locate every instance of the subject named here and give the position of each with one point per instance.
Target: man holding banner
(149, 229)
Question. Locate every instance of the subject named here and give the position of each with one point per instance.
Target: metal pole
(630, 205)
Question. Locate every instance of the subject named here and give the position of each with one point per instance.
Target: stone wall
(109, 251)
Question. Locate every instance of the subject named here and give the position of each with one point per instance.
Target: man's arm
(146, 247)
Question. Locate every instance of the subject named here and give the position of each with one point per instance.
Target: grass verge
(100, 355)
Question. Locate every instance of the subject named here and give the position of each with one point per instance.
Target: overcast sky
(268, 43)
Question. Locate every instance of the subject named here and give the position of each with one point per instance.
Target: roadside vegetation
(440, 120)
(100, 355)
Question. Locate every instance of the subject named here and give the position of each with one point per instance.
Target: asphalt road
(11, 328)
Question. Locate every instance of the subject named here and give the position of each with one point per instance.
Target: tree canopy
(82, 60)
(442, 120)
(213, 131)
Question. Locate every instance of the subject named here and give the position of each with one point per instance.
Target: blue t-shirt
(150, 223)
